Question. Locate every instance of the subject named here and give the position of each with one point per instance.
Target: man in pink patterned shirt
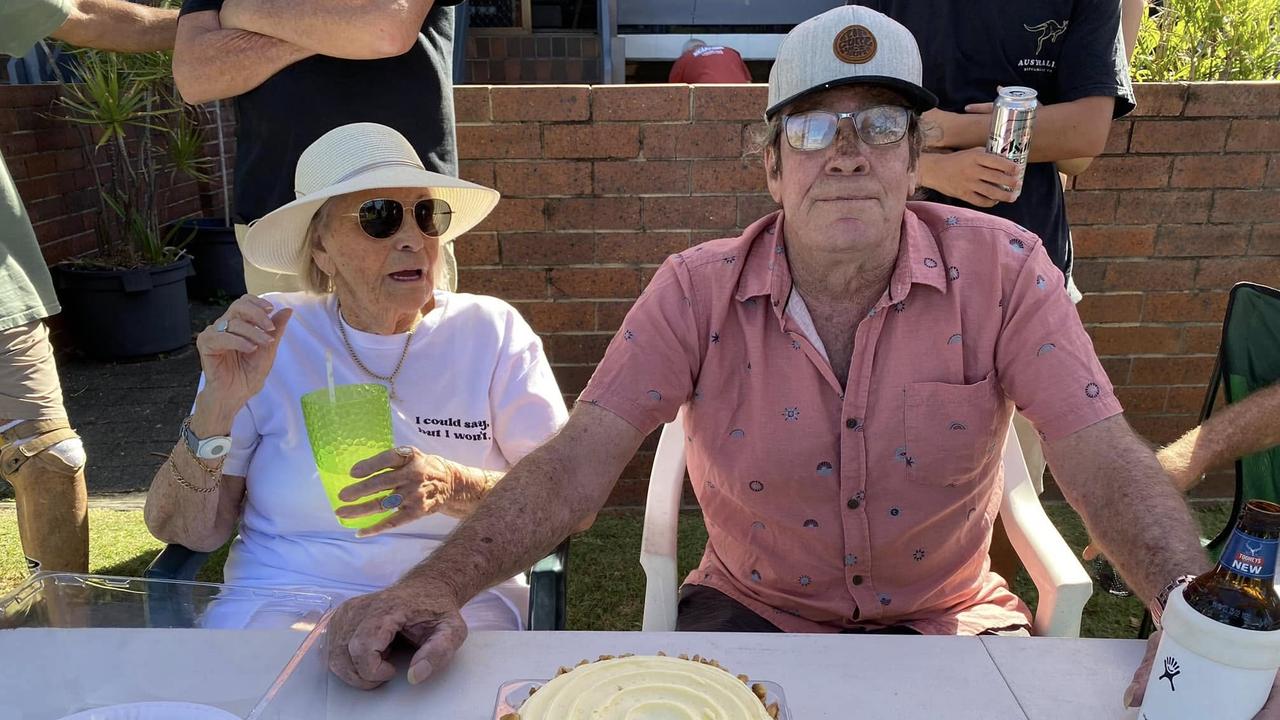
(847, 368)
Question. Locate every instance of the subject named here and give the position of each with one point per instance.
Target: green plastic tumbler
(355, 425)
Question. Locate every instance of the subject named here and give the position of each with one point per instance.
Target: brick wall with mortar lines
(601, 183)
(45, 157)
(1185, 204)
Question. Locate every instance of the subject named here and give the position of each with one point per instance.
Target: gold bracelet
(217, 469)
(215, 476)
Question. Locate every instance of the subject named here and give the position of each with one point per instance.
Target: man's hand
(1138, 686)
(363, 628)
(1134, 694)
(974, 176)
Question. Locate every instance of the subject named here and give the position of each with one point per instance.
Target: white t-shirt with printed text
(472, 361)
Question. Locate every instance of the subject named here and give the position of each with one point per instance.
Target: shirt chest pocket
(951, 430)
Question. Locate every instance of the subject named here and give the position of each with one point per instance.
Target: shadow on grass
(135, 566)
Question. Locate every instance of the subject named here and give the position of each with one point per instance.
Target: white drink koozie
(1204, 669)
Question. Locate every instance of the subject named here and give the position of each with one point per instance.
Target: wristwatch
(1162, 597)
(210, 448)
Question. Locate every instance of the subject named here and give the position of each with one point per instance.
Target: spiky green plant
(137, 130)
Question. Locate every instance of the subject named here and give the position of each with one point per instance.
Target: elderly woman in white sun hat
(365, 232)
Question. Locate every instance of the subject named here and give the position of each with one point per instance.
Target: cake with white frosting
(651, 687)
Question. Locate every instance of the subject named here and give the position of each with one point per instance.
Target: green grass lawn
(606, 584)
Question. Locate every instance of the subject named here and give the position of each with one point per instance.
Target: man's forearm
(118, 25)
(540, 501)
(1146, 530)
(352, 29)
(1071, 130)
(956, 131)
(1247, 427)
(225, 63)
(932, 170)
(537, 505)
(1063, 131)
(1129, 507)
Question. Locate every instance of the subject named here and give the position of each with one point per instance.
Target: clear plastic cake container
(102, 644)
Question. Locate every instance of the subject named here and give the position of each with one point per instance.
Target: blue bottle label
(1250, 556)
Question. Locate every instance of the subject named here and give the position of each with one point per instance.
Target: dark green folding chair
(548, 587)
(1248, 360)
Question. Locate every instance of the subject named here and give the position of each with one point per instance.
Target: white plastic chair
(1063, 584)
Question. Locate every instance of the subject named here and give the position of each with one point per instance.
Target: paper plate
(154, 711)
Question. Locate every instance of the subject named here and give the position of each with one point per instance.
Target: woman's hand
(236, 354)
(424, 483)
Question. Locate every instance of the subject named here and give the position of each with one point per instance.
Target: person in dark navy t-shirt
(300, 69)
(1072, 53)
(1069, 51)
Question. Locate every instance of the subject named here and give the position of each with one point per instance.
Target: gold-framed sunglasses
(381, 218)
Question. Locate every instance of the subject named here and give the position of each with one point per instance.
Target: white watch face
(214, 447)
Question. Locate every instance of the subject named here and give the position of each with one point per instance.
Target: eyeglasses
(381, 218)
(816, 129)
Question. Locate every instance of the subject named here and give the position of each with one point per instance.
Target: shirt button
(857, 579)
(853, 503)
(851, 423)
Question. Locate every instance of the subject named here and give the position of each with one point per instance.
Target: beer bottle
(1240, 590)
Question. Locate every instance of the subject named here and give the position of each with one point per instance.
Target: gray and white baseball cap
(848, 45)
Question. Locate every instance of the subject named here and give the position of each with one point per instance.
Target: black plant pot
(218, 266)
(119, 314)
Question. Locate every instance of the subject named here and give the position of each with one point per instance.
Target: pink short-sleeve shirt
(832, 507)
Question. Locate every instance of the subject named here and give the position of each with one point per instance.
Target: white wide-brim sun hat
(353, 158)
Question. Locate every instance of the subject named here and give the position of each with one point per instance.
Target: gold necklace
(390, 380)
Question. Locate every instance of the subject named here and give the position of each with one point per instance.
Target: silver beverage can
(1011, 121)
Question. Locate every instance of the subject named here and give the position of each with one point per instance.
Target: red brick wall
(601, 183)
(48, 164)
(1185, 204)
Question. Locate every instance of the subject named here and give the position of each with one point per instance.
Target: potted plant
(211, 241)
(129, 298)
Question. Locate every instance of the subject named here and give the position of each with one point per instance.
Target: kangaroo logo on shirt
(1049, 30)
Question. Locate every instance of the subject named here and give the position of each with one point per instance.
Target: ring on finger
(221, 325)
(392, 501)
(406, 452)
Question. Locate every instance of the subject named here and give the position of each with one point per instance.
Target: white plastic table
(1067, 677)
(823, 676)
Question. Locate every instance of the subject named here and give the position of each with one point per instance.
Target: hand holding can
(1012, 118)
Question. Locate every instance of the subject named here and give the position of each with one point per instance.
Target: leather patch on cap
(855, 45)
